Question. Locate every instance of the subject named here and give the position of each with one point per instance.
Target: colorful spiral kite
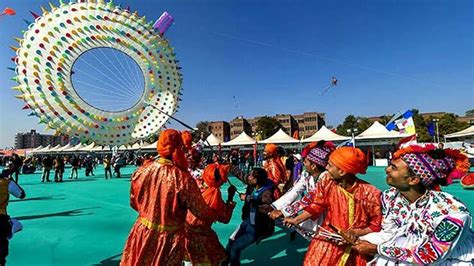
(57, 38)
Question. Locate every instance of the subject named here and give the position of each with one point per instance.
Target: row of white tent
(468, 132)
(375, 132)
(91, 148)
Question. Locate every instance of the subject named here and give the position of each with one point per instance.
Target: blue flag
(431, 129)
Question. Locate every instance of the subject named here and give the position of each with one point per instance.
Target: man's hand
(289, 222)
(365, 248)
(242, 196)
(231, 192)
(350, 234)
(275, 214)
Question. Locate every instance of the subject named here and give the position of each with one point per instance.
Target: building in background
(239, 125)
(34, 139)
(307, 124)
(220, 129)
(288, 123)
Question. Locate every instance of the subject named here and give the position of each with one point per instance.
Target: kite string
(229, 36)
(116, 74)
(134, 87)
(120, 94)
(136, 70)
(108, 85)
(104, 91)
(98, 70)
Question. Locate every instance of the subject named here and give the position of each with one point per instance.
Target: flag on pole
(431, 129)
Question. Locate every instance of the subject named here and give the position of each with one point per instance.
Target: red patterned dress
(356, 208)
(162, 194)
(202, 243)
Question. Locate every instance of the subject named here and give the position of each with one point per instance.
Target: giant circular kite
(59, 37)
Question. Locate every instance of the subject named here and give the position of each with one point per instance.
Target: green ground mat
(86, 222)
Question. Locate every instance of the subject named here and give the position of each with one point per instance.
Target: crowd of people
(316, 193)
(347, 220)
(52, 167)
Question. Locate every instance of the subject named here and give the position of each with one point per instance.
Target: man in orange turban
(162, 192)
(202, 243)
(274, 166)
(351, 207)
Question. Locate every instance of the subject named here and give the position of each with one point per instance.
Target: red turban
(209, 174)
(271, 149)
(170, 146)
(349, 159)
(187, 140)
(212, 195)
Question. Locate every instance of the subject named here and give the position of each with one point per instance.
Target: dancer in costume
(291, 203)
(275, 168)
(352, 208)
(421, 224)
(162, 192)
(202, 243)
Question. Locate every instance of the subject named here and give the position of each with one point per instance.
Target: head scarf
(320, 153)
(349, 159)
(307, 148)
(434, 166)
(271, 149)
(187, 140)
(170, 146)
(212, 195)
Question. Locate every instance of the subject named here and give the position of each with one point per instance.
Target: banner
(405, 123)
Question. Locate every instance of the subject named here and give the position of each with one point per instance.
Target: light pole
(353, 131)
(436, 120)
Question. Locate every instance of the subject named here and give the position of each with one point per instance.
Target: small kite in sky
(333, 84)
(8, 11)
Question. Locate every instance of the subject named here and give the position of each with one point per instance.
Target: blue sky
(278, 56)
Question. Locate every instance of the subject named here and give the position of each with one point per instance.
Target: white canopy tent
(65, 147)
(75, 148)
(213, 140)
(37, 149)
(124, 148)
(468, 132)
(136, 146)
(378, 135)
(325, 134)
(98, 148)
(280, 137)
(54, 149)
(378, 131)
(242, 139)
(88, 148)
(151, 146)
(42, 150)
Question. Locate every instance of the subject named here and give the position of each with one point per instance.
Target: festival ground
(86, 222)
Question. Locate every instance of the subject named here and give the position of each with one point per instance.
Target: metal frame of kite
(60, 35)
